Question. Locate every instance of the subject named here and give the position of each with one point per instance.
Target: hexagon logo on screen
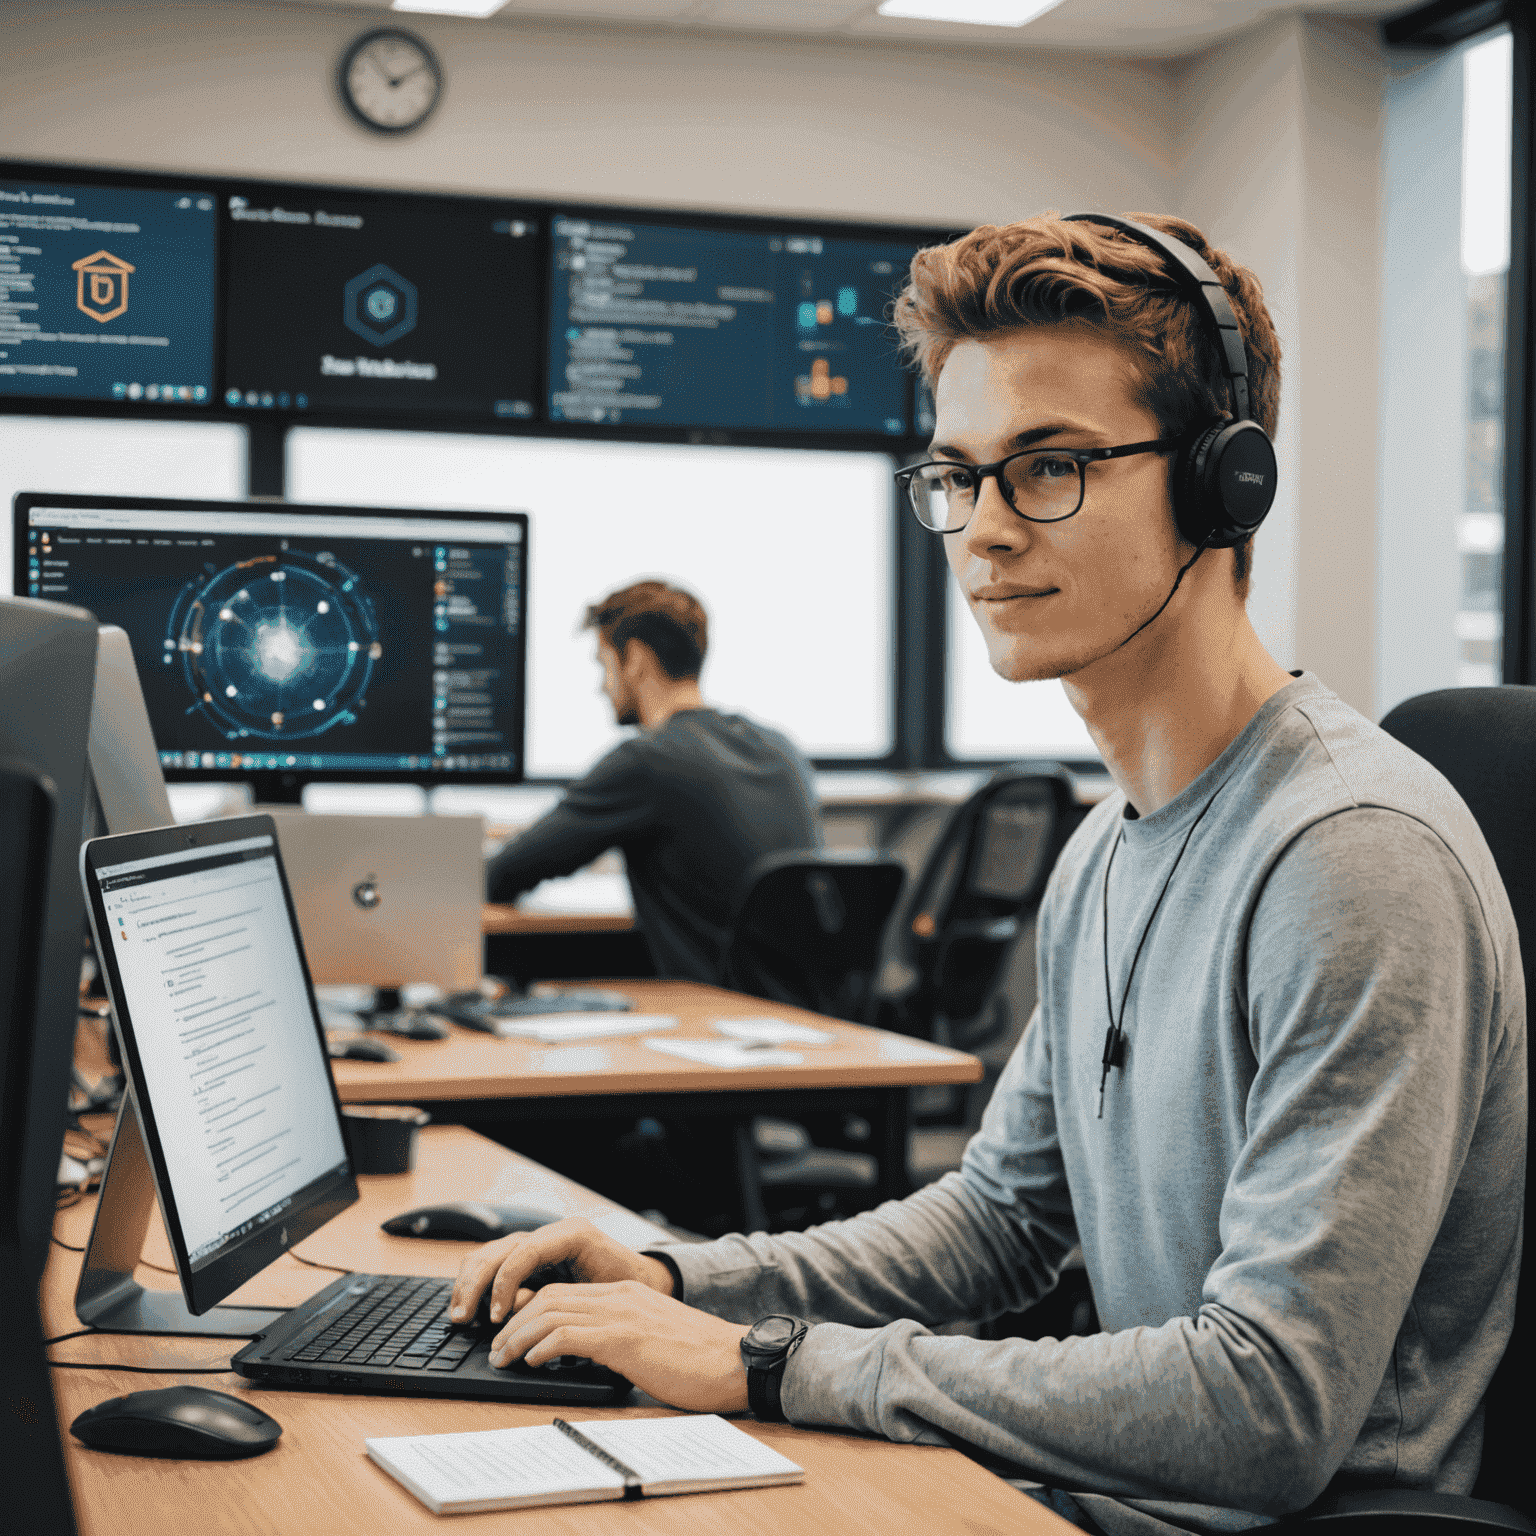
(379, 305)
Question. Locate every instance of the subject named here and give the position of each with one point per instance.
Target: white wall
(838, 128)
(1279, 135)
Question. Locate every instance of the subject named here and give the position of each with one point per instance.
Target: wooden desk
(498, 919)
(482, 1079)
(319, 1480)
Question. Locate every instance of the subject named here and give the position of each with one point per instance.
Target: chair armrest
(1388, 1511)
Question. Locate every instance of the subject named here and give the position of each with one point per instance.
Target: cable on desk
(141, 1370)
(335, 1269)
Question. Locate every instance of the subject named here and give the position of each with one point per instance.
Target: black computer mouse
(194, 1422)
(361, 1049)
(468, 1221)
(410, 1023)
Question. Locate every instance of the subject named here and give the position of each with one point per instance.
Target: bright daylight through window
(1485, 208)
(788, 550)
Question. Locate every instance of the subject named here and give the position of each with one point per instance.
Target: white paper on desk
(494, 1468)
(766, 1031)
(726, 1053)
(562, 1028)
(899, 1048)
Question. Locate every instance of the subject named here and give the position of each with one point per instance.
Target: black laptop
(241, 1125)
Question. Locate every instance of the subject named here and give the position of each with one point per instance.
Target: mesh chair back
(983, 880)
(1484, 741)
(808, 930)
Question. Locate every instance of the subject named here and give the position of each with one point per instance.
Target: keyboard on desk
(392, 1333)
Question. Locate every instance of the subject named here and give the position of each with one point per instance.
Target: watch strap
(765, 1377)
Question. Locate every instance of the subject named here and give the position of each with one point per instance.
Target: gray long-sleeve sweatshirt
(1301, 1210)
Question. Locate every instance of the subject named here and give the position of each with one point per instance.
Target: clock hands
(383, 69)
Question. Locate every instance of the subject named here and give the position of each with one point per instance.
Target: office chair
(978, 890)
(1484, 741)
(808, 932)
(40, 1501)
(808, 929)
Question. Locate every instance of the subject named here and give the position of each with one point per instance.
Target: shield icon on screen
(101, 289)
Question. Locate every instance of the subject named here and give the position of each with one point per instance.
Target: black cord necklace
(1114, 1036)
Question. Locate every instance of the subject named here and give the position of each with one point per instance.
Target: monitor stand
(276, 786)
(108, 1297)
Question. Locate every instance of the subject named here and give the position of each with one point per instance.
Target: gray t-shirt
(1301, 1210)
(693, 805)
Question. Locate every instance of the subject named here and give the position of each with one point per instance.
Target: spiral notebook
(583, 1463)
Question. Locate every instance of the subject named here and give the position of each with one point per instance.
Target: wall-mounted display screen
(107, 293)
(126, 293)
(694, 327)
(404, 306)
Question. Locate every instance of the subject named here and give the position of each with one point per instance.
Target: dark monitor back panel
(330, 643)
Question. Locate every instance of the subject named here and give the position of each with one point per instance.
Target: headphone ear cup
(1193, 509)
(1225, 484)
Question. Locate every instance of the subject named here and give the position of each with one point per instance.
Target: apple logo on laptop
(366, 894)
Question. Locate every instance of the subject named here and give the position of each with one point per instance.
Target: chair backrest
(808, 929)
(39, 1501)
(1484, 741)
(984, 878)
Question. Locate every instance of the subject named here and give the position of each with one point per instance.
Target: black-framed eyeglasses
(1043, 485)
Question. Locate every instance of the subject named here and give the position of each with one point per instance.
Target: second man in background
(693, 800)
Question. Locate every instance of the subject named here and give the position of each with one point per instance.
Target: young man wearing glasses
(1275, 1085)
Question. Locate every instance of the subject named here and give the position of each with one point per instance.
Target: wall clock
(390, 81)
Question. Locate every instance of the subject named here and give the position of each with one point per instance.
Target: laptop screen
(225, 1052)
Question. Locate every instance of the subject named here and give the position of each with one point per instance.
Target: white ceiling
(1141, 28)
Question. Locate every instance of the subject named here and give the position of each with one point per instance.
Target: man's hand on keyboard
(510, 1263)
(678, 1354)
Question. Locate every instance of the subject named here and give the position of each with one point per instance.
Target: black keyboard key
(444, 1363)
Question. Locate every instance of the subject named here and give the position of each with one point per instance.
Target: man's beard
(626, 714)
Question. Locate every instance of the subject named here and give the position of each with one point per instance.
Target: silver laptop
(386, 900)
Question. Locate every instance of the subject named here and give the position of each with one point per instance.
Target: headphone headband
(1202, 285)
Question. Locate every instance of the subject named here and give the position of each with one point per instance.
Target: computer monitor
(232, 1106)
(282, 644)
(107, 292)
(352, 303)
(672, 324)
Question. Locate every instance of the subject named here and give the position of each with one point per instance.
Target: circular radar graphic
(278, 648)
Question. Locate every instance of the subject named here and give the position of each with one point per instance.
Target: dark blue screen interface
(715, 328)
(107, 293)
(293, 639)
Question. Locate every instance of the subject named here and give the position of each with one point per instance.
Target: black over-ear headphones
(1225, 473)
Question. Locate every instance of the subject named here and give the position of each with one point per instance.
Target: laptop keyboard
(400, 1321)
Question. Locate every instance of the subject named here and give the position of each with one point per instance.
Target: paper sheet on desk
(726, 1053)
(562, 1028)
(767, 1031)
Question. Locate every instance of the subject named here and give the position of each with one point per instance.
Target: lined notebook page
(700, 1449)
(496, 1468)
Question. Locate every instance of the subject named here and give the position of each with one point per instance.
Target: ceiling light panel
(976, 13)
(477, 8)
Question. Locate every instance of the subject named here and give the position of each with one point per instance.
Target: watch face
(770, 1333)
(390, 80)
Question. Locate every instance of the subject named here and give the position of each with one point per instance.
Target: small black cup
(382, 1137)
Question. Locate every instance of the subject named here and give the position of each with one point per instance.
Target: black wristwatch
(766, 1350)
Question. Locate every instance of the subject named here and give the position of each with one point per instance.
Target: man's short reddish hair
(1046, 271)
(666, 618)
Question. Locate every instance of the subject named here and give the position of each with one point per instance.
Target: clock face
(390, 81)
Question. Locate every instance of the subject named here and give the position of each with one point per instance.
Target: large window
(1441, 524)
(789, 550)
(128, 458)
(1485, 209)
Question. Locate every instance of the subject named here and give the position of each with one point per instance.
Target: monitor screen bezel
(237, 1261)
(287, 782)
